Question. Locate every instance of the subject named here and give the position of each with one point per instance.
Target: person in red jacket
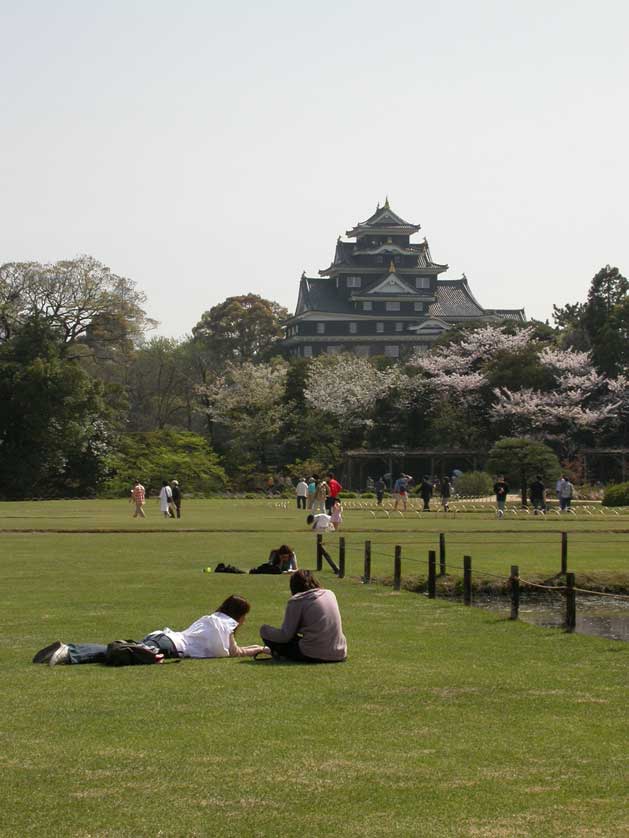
(335, 488)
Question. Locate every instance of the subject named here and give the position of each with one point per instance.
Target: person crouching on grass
(211, 636)
(312, 630)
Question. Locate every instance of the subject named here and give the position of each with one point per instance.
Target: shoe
(44, 655)
(61, 655)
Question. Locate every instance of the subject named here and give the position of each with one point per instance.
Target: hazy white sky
(209, 148)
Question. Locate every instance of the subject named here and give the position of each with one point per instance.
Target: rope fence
(514, 581)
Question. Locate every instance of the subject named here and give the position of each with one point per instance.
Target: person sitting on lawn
(312, 630)
(211, 636)
(282, 560)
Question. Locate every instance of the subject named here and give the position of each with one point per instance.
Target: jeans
(95, 652)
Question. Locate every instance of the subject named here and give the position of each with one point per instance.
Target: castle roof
(384, 220)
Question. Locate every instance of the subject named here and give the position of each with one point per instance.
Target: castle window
(367, 306)
(422, 282)
(307, 351)
(399, 327)
(353, 328)
(320, 328)
(392, 351)
(354, 282)
(380, 327)
(392, 306)
(418, 306)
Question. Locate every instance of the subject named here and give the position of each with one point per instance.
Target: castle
(382, 296)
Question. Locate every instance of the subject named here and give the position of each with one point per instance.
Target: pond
(598, 616)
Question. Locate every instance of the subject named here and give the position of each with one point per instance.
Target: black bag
(131, 653)
(266, 568)
(227, 568)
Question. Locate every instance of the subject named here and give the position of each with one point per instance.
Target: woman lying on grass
(211, 636)
(312, 630)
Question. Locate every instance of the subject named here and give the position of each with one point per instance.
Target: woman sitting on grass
(282, 560)
(211, 636)
(312, 630)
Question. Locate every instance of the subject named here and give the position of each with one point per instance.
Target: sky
(206, 149)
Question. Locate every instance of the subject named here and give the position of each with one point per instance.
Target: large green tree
(55, 428)
(243, 328)
(601, 324)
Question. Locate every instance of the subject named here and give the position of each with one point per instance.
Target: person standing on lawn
(335, 488)
(380, 486)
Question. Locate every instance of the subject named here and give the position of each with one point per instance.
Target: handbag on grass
(131, 653)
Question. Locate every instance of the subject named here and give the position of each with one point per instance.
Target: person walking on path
(334, 488)
(301, 493)
(211, 636)
(312, 630)
(426, 490)
(176, 493)
(501, 490)
(445, 491)
(321, 496)
(138, 495)
(566, 493)
(400, 491)
(165, 500)
(312, 490)
(380, 486)
(537, 493)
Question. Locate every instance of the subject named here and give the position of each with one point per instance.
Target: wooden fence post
(319, 553)
(442, 554)
(397, 568)
(432, 574)
(515, 591)
(564, 552)
(467, 580)
(571, 603)
(367, 569)
(341, 573)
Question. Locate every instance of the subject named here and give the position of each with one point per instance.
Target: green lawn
(445, 721)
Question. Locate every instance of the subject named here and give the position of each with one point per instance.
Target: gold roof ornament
(392, 267)
(386, 203)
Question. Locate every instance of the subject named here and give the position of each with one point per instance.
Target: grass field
(445, 721)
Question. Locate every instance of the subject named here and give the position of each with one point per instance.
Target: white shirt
(302, 489)
(165, 497)
(207, 637)
(322, 522)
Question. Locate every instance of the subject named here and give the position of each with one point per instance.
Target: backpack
(131, 653)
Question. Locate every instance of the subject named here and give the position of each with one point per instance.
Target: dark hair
(310, 519)
(164, 482)
(235, 607)
(284, 550)
(303, 580)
